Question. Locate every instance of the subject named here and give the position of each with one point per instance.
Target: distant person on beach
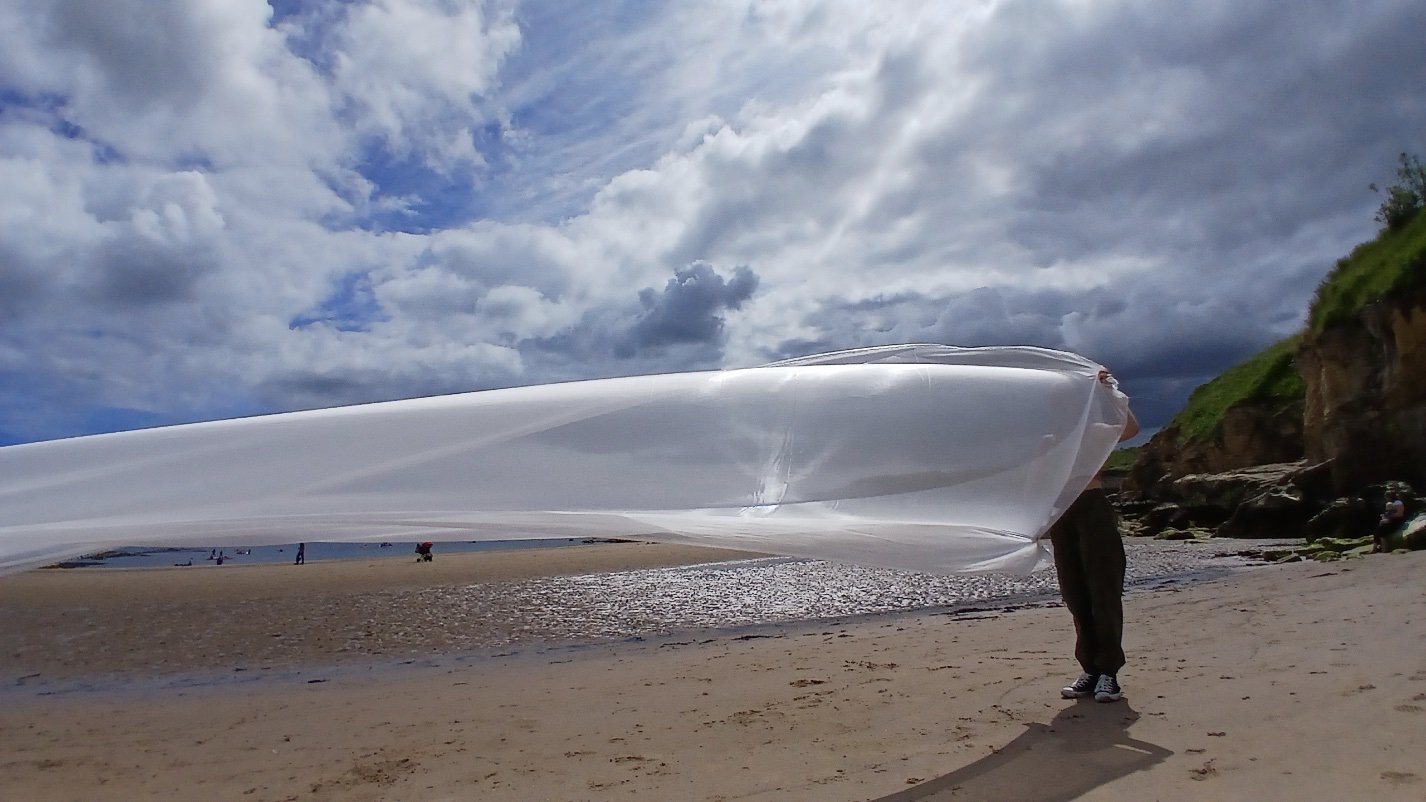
(423, 552)
(1089, 560)
(301, 554)
(1392, 516)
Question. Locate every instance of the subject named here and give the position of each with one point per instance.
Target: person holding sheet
(1089, 560)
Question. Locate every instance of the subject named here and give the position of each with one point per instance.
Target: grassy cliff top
(1270, 376)
(1392, 264)
(1122, 459)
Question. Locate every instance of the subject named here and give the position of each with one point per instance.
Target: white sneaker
(1107, 689)
(1083, 686)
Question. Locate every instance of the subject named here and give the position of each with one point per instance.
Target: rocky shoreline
(1266, 500)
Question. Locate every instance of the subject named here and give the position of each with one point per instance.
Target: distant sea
(150, 557)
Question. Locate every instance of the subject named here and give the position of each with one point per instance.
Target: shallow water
(149, 557)
(637, 604)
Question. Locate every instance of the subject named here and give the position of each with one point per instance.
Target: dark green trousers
(1089, 559)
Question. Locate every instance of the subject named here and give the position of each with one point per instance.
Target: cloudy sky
(214, 208)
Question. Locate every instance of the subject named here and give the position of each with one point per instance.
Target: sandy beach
(127, 624)
(1303, 681)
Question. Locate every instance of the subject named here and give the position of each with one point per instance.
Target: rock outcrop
(1265, 501)
(1365, 409)
(1253, 433)
(1258, 501)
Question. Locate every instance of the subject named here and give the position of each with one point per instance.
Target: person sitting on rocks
(1391, 518)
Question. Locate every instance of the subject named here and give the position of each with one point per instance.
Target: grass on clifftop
(1122, 459)
(1391, 264)
(1269, 376)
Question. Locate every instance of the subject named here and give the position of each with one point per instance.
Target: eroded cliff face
(1364, 412)
(1366, 395)
(1250, 434)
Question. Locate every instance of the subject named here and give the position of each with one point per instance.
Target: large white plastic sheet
(922, 457)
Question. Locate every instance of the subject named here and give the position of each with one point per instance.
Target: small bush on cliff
(1392, 264)
(1404, 198)
(1270, 376)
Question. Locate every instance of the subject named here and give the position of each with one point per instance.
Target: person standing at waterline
(1089, 561)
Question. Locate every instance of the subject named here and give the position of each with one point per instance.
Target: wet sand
(99, 628)
(1301, 681)
(127, 623)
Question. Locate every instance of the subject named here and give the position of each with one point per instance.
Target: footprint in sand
(1205, 771)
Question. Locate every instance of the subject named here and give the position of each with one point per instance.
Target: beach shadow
(1082, 748)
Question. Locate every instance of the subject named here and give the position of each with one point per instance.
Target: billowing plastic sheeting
(922, 457)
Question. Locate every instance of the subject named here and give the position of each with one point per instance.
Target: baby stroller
(423, 552)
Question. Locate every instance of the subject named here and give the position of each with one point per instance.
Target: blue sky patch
(439, 200)
(351, 307)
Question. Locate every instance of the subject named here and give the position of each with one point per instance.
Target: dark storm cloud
(132, 271)
(1222, 120)
(680, 327)
(21, 284)
(690, 308)
(1158, 347)
(145, 52)
(984, 316)
(297, 389)
(313, 387)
